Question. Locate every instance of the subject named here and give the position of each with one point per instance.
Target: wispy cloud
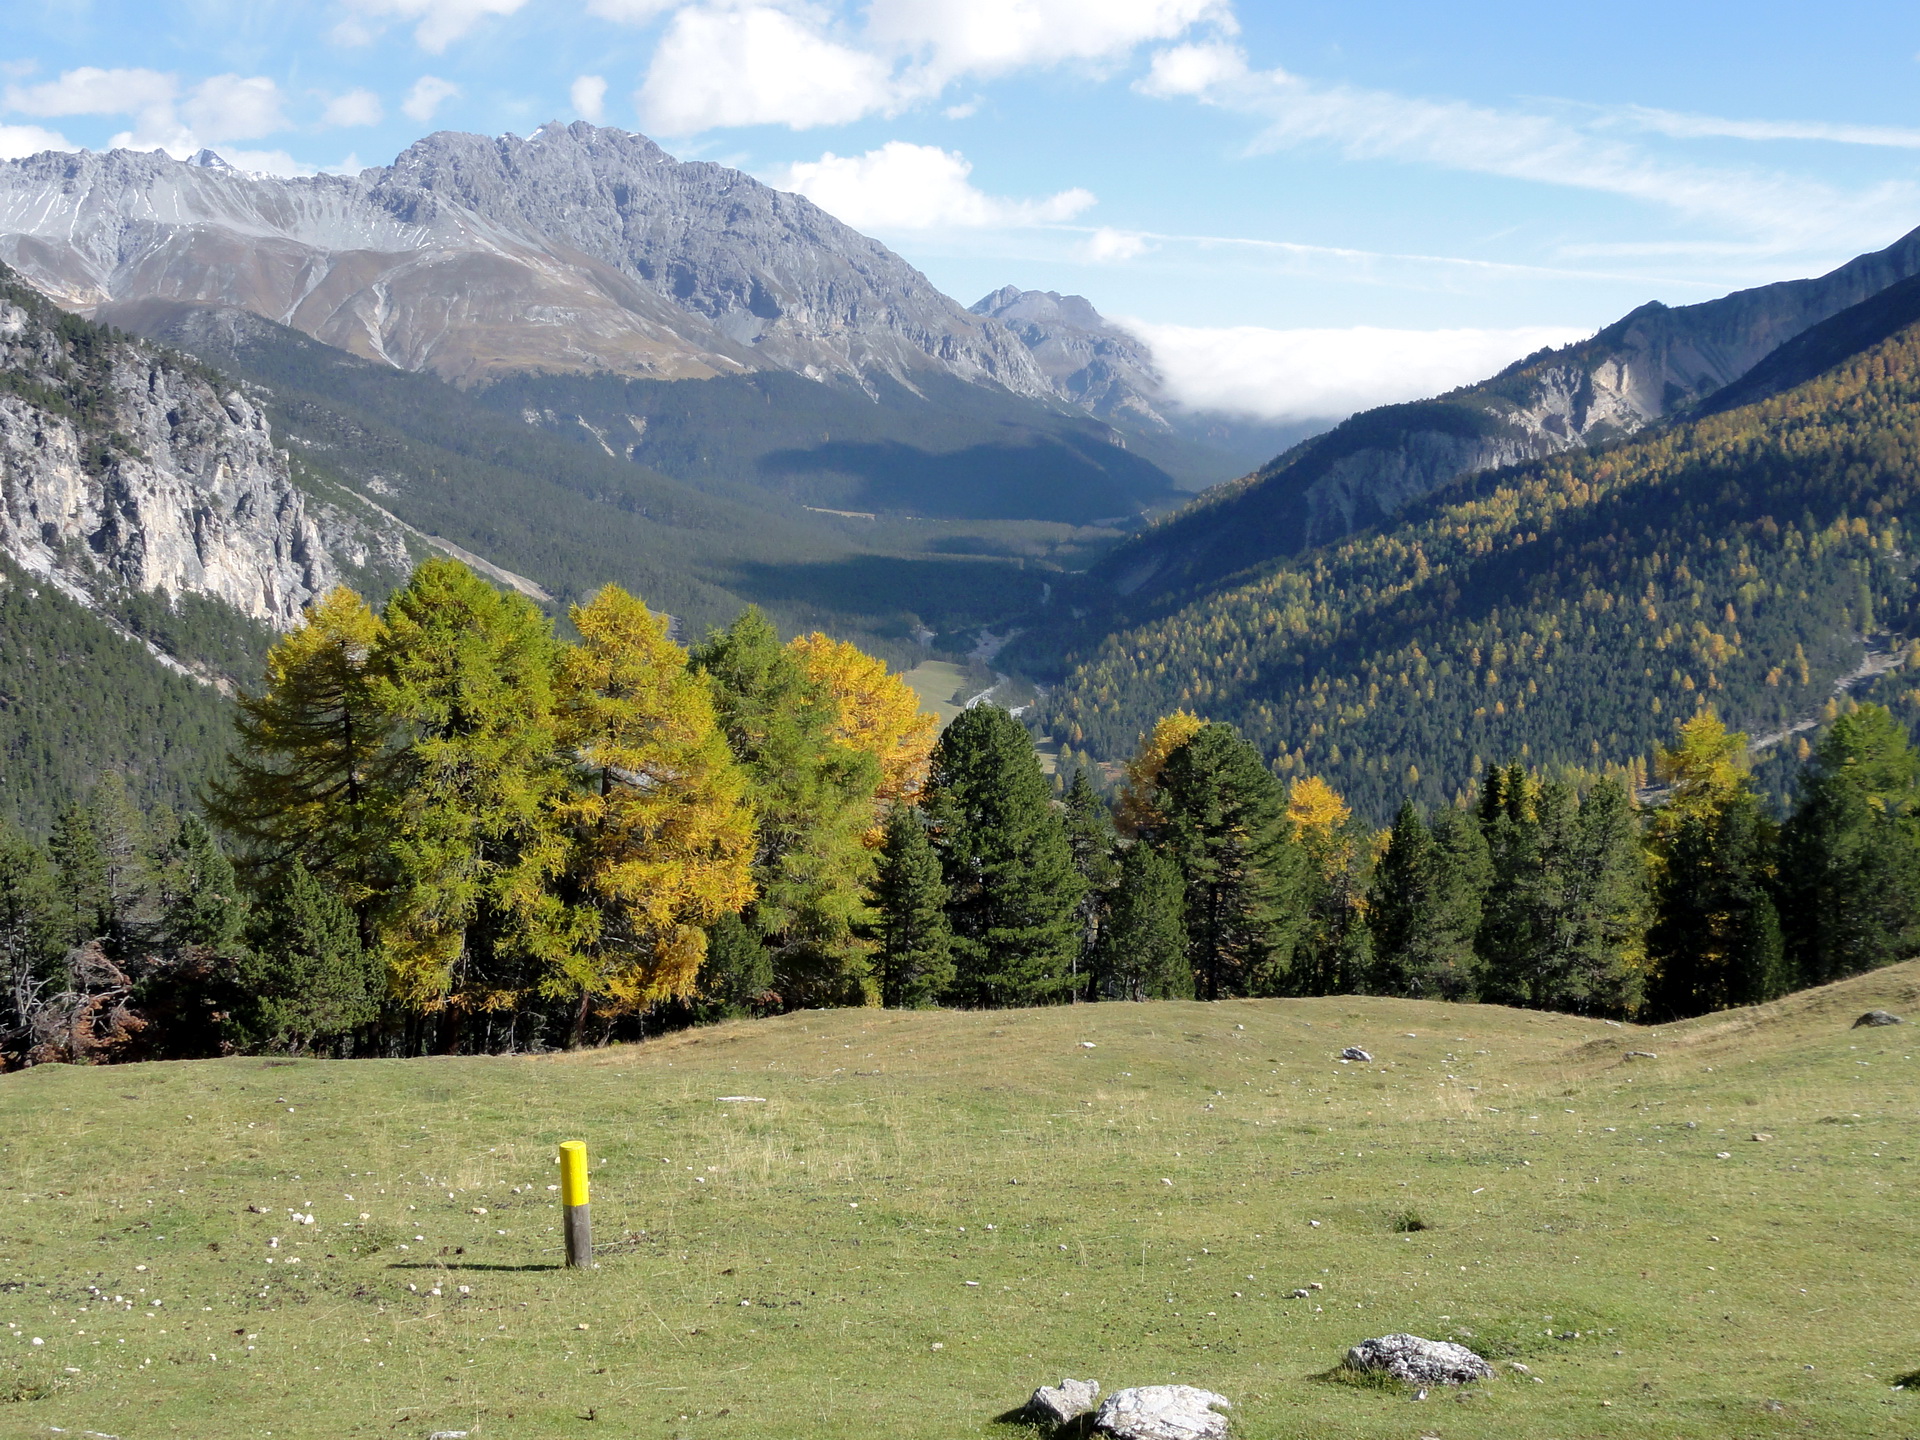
(1366, 124)
(1682, 126)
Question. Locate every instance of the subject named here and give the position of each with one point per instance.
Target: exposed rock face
(1415, 1361)
(1098, 366)
(1064, 1403)
(124, 467)
(1650, 364)
(1163, 1412)
(579, 249)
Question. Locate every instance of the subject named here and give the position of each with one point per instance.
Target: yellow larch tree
(663, 828)
(1136, 811)
(879, 715)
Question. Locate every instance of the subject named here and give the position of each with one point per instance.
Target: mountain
(152, 538)
(1569, 611)
(579, 249)
(1654, 363)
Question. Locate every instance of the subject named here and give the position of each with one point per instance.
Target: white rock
(1069, 1400)
(1354, 1052)
(1163, 1412)
(1414, 1361)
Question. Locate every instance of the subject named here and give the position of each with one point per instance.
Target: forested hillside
(1565, 612)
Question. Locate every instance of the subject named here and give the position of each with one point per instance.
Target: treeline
(448, 830)
(1568, 612)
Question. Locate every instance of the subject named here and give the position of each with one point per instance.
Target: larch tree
(1013, 894)
(663, 832)
(1135, 814)
(471, 921)
(877, 713)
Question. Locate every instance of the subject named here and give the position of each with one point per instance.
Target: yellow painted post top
(573, 1172)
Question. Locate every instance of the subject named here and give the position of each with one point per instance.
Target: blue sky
(1355, 194)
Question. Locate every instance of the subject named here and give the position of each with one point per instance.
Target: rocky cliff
(579, 249)
(1088, 360)
(126, 468)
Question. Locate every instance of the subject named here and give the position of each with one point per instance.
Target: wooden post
(575, 1211)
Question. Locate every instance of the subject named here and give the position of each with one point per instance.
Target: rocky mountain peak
(1087, 358)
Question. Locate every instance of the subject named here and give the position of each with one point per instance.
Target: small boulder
(1878, 1017)
(1414, 1361)
(1354, 1052)
(1063, 1403)
(1163, 1412)
(1641, 1055)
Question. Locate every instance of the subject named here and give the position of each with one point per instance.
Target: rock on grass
(1414, 1361)
(1064, 1403)
(1163, 1412)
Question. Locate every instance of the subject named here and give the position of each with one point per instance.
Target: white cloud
(991, 37)
(1705, 127)
(1304, 374)
(784, 62)
(222, 107)
(1381, 125)
(19, 140)
(92, 91)
(438, 22)
(755, 65)
(1106, 246)
(916, 187)
(429, 92)
(589, 96)
(234, 107)
(356, 107)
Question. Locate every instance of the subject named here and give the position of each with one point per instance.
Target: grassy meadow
(927, 1214)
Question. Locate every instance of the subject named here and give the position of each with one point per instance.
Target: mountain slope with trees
(1566, 612)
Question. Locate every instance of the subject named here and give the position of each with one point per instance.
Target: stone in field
(1354, 1052)
(1163, 1412)
(1415, 1361)
(1878, 1017)
(1065, 1402)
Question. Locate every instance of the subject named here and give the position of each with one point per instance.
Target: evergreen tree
(187, 978)
(306, 983)
(662, 828)
(1225, 827)
(913, 960)
(1142, 951)
(201, 906)
(465, 670)
(83, 905)
(30, 940)
(1090, 836)
(736, 974)
(125, 849)
(304, 780)
(1014, 895)
(814, 799)
(1331, 953)
(1422, 912)
(1850, 854)
(1717, 940)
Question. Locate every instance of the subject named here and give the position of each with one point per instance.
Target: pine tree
(187, 978)
(201, 906)
(662, 828)
(1331, 953)
(814, 799)
(1421, 915)
(1717, 940)
(1136, 814)
(913, 959)
(305, 778)
(471, 918)
(1142, 950)
(1225, 827)
(307, 983)
(125, 848)
(1091, 838)
(1850, 854)
(736, 974)
(83, 905)
(1014, 895)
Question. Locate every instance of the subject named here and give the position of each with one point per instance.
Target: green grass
(1138, 1211)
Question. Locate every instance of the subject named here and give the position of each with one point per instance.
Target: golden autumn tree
(664, 832)
(1136, 812)
(879, 715)
(1338, 858)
